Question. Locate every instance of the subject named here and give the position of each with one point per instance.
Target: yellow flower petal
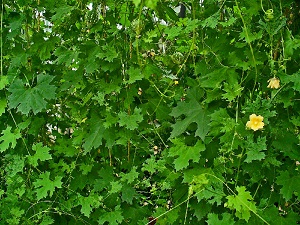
(256, 122)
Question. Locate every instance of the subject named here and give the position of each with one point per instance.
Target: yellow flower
(176, 82)
(255, 123)
(274, 83)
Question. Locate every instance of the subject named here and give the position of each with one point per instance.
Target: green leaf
(3, 82)
(66, 56)
(215, 78)
(3, 105)
(164, 8)
(15, 25)
(290, 184)
(47, 220)
(113, 218)
(274, 217)
(128, 193)
(85, 203)
(242, 203)
(44, 47)
(254, 150)
(65, 148)
(213, 219)
(61, 12)
(115, 187)
(151, 3)
(152, 165)
(233, 90)
(136, 2)
(131, 176)
(211, 21)
(295, 78)
(203, 182)
(43, 185)
(229, 22)
(9, 139)
(221, 122)
(130, 121)
(212, 194)
(287, 143)
(109, 53)
(15, 165)
(41, 153)
(194, 113)
(290, 44)
(94, 137)
(88, 203)
(16, 214)
(86, 167)
(31, 98)
(134, 75)
(250, 37)
(201, 209)
(173, 32)
(185, 153)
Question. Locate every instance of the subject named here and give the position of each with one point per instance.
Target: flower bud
(274, 83)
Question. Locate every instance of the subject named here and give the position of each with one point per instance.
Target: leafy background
(119, 112)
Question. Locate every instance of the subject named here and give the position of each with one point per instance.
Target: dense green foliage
(119, 112)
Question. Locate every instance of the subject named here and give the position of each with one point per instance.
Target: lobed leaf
(194, 113)
(9, 139)
(27, 99)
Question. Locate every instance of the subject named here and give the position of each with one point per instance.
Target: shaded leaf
(26, 99)
(114, 217)
(128, 193)
(254, 150)
(3, 105)
(185, 153)
(213, 219)
(290, 184)
(94, 137)
(131, 176)
(130, 121)
(194, 113)
(134, 75)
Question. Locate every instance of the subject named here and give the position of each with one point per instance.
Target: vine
(127, 113)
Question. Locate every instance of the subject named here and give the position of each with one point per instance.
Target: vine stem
(150, 222)
(163, 94)
(193, 195)
(138, 33)
(1, 44)
(238, 198)
(249, 43)
(16, 124)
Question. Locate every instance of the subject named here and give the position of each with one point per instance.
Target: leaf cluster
(119, 112)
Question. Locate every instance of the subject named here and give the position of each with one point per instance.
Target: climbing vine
(120, 112)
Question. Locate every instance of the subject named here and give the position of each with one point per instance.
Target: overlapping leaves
(31, 98)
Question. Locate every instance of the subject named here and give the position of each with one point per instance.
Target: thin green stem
(238, 198)
(138, 30)
(1, 44)
(174, 207)
(249, 43)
